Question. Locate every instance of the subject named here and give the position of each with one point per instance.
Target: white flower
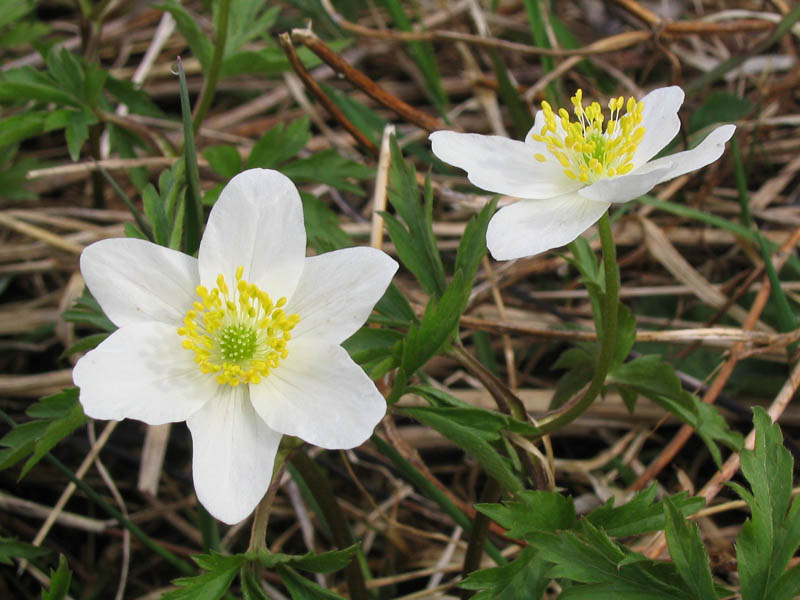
(568, 173)
(242, 343)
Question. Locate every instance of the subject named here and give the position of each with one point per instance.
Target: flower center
(238, 335)
(584, 149)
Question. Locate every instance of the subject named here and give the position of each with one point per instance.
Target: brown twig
(309, 39)
(313, 87)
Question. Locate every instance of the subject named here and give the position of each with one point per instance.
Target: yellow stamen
(237, 337)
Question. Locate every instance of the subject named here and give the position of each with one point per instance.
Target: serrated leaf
(523, 579)
(604, 569)
(279, 144)
(641, 514)
(224, 159)
(533, 510)
(769, 538)
(326, 562)
(656, 379)
(11, 548)
(59, 581)
(688, 553)
(211, 585)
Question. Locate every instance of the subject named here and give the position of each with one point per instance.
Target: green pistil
(238, 342)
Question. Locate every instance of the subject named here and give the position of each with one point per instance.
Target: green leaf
(604, 569)
(65, 415)
(769, 538)
(279, 144)
(55, 417)
(225, 160)
(331, 168)
(688, 553)
(213, 584)
(641, 514)
(301, 588)
(17, 128)
(395, 308)
(77, 132)
(524, 579)
(326, 562)
(156, 213)
(322, 225)
(59, 581)
(187, 24)
(438, 324)
(652, 377)
(11, 548)
(471, 442)
(415, 243)
(472, 247)
(369, 344)
(13, 91)
(531, 511)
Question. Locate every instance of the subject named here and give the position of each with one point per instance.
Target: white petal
(233, 454)
(529, 227)
(501, 165)
(706, 152)
(136, 281)
(338, 290)
(320, 395)
(660, 121)
(257, 223)
(626, 187)
(142, 372)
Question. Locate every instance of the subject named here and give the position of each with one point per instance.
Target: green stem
(212, 77)
(608, 335)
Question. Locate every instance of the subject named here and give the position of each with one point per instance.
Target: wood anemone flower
(567, 173)
(242, 343)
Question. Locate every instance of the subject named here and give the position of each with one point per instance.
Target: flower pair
(567, 173)
(243, 342)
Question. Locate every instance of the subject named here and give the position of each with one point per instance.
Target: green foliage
(641, 514)
(524, 579)
(688, 553)
(11, 548)
(54, 418)
(59, 581)
(472, 441)
(413, 237)
(654, 378)
(770, 537)
(220, 571)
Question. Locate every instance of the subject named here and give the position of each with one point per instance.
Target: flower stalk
(608, 336)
